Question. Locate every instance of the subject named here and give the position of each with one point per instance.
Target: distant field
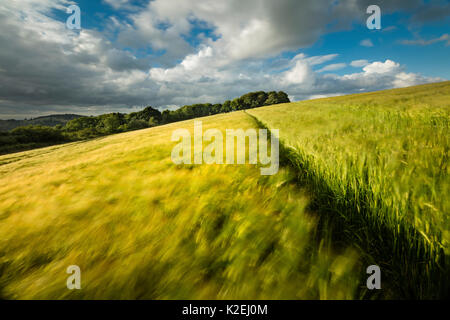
(379, 163)
(141, 227)
(51, 121)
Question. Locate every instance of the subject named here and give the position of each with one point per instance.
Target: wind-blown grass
(140, 227)
(377, 163)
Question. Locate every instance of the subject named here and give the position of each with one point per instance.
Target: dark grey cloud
(434, 12)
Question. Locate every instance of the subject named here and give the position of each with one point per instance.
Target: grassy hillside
(139, 226)
(377, 165)
(367, 183)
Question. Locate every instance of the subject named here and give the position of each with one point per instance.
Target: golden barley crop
(141, 227)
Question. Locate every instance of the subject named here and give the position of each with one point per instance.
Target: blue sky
(167, 53)
(431, 60)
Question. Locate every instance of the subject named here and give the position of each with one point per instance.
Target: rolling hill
(141, 227)
(50, 121)
(364, 180)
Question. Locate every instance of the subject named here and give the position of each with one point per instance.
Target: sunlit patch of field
(379, 162)
(141, 227)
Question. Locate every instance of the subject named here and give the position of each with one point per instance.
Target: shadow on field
(411, 268)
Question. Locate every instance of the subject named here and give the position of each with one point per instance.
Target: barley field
(141, 227)
(364, 180)
(377, 166)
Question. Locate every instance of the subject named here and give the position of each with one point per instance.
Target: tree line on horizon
(35, 136)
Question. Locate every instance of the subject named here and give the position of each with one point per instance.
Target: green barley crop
(377, 164)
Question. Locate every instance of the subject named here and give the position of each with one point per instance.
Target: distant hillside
(51, 121)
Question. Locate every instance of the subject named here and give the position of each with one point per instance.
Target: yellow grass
(140, 227)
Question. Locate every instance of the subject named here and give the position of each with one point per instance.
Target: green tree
(81, 123)
(110, 123)
(136, 124)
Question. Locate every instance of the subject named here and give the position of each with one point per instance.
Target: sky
(129, 54)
